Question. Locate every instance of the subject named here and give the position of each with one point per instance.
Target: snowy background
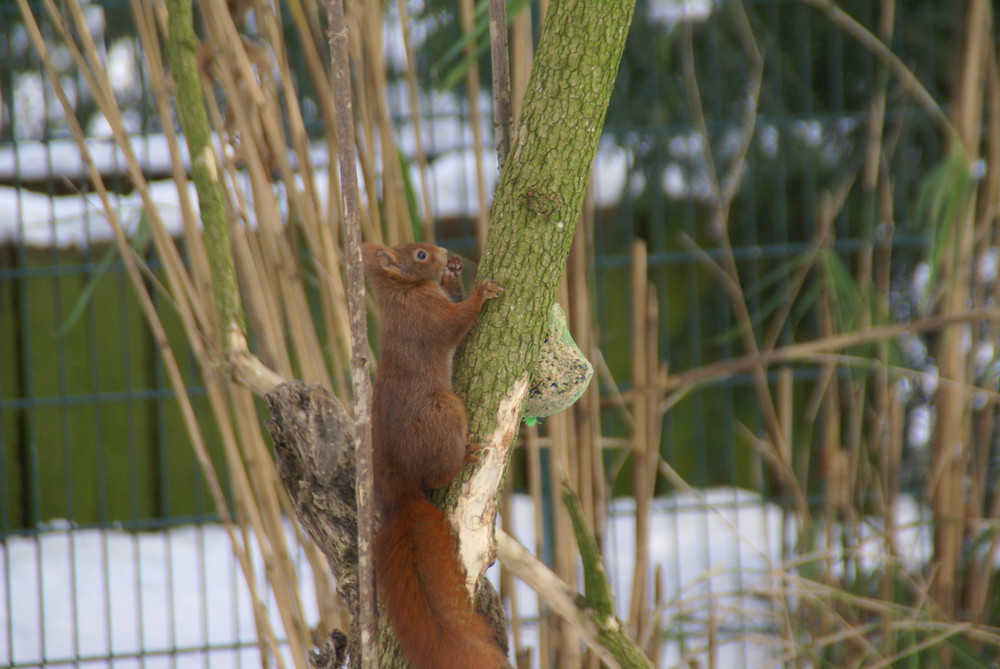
(44, 220)
(42, 152)
(167, 595)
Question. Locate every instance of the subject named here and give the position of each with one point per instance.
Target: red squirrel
(419, 435)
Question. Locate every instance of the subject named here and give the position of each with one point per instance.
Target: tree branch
(533, 219)
(500, 58)
(315, 447)
(597, 591)
(181, 47)
(360, 367)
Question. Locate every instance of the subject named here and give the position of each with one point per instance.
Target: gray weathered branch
(315, 449)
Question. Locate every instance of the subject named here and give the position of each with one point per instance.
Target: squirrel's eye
(421, 255)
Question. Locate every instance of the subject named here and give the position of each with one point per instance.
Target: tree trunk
(534, 215)
(533, 218)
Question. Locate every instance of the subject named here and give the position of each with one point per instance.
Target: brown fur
(419, 432)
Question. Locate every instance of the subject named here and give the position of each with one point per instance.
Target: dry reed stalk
(503, 116)
(304, 205)
(982, 570)
(582, 420)
(562, 467)
(885, 422)
(947, 477)
(264, 311)
(975, 597)
(885, 435)
(647, 416)
(260, 130)
(266, 496)
(255, 511)
(375, 84)
(508, 588)
(641, 441)
(683, 382)
(785, 396)
(863, 444)
(194, 315)
(654, 374)
(270, 25)
(521, 52)
(533, 466)
(365, 144)
(306, 20)
(654, 645)
(786, 409)
(825, 407)
(833, 466)
(416, 115)
(890, 466)
(586, 412)
(467, 19)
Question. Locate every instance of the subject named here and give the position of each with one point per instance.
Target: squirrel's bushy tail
(422, 591)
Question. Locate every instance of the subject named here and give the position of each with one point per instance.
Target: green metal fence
(89, 431)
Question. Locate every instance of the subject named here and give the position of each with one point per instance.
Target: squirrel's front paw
(489, 289)
(454, 264)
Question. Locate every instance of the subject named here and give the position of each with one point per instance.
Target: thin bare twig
(724, 191)
(500, 56)
(467, 19)
(869, 41)
(553, 590)
(727, 368)
(413, 98)
(360, 365)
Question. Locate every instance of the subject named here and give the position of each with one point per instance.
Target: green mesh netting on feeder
(561, 374)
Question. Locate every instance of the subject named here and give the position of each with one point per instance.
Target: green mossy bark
(181, 49)
(597, 596)
(596, 588)
(538, 201)
(540, 196)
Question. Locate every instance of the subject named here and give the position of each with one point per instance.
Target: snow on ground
(78, 594)
(69, 594)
